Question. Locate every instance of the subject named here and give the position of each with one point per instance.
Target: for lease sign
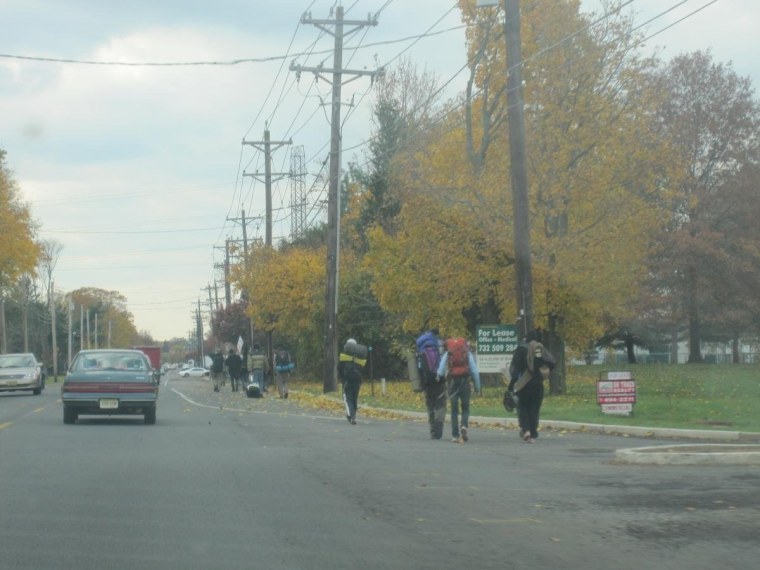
(496, 343)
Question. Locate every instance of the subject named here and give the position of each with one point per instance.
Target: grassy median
(688, 396)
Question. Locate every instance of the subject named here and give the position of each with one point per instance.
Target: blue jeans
(459, 391)
(258, 378)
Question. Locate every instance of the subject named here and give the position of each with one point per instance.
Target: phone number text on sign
(495, 346)
(616, 388)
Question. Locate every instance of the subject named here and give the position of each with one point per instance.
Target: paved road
(226, 482)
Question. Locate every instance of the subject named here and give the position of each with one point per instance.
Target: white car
(194, 372)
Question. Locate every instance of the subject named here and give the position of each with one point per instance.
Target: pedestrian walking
(428, 359)
(258, 364)
(282, 367)
(217, 369)
(350, 363)
(458, 366)
(531, 364)
(234, 365)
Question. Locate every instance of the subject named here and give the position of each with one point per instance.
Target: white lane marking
(262, 412)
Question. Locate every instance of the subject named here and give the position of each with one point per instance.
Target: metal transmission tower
(338, 31)
(297, 191)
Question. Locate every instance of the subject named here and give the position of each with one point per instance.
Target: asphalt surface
(224, 481)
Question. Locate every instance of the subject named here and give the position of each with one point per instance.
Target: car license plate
(10, 383)
(109, 404)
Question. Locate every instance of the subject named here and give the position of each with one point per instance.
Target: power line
(222, 63)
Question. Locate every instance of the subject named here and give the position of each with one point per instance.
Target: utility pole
(226, 267)
(26, 283)
(516, 119)
(199, 329)
(247, 265)
(518, 168)
(330, 382)
(266, 147)
(70, 305)
(210, 299)
(51, 302)
(4, 346)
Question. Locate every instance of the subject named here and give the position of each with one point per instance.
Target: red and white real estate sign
(616, 392)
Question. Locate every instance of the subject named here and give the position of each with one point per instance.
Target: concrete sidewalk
(725, 447)
(632, 431)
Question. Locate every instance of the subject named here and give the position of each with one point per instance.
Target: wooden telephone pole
(336, 28)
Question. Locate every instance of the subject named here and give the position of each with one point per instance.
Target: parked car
(21, 372)
(109, 382)
(195, 371)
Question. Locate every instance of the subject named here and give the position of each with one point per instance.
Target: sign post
(496, 343)
(616, 392)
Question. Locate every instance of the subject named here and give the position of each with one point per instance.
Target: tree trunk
(674, 346)
(735, 356)
(695, 332)
(555, 345)
(629, 349)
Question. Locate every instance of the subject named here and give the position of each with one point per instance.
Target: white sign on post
(496, 343)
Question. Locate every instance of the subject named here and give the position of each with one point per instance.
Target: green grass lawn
(688, 396)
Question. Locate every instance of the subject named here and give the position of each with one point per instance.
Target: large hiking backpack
(428, 356)
(458, 350)
(282, 362)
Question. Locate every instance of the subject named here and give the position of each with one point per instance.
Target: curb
(704, 454)
(635, 431)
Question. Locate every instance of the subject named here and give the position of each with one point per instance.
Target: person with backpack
(234, 365)
(458, 365)
(217, 369)
(282, 367)
(434, 388)
(350, 363)
(531, 364)
(258, 364)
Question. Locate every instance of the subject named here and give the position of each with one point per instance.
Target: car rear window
(109, 361)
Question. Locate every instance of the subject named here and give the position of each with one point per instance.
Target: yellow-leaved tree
(285, 291)
(19, 251)
(109, 310)
(594, 167)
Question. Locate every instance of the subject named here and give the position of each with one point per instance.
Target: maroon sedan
(109, 382)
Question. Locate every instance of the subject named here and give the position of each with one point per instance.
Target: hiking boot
(463, 431)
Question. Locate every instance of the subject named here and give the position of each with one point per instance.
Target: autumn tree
(230, 322)
(109, 310)
(594, 163)
(18, 249)
(404, 102)
(285, 291)
(709, 115)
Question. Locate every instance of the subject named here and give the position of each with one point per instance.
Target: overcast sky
(137, 170)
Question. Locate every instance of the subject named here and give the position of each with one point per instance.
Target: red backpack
(458, 362)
